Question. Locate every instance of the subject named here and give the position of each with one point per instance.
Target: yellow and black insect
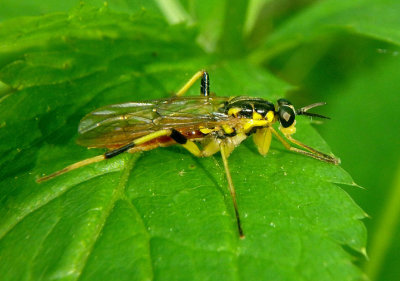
(218, 123)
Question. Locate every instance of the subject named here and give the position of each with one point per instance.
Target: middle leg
(213, 146)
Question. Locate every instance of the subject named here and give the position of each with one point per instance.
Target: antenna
(303, 110)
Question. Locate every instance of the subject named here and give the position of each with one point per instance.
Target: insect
(219, 124)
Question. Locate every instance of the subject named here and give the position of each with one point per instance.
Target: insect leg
(231, 187)
(72, 167)
(262, 139)
(188, 144)
(115, 152)
(141, 140)
(209, 149)
(205, 83)
(106, 155)
(312, 150)
(311, 153)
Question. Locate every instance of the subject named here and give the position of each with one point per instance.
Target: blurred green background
(346, 54)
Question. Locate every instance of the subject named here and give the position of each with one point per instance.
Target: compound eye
(286, 116)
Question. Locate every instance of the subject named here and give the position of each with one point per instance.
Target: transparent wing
(116, 125)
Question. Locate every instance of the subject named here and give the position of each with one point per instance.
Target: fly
(219, 124)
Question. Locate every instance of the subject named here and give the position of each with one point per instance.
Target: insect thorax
(247, 107)
(254, 112)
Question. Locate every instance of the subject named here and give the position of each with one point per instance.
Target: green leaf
(375, 19)
(11, 9)
(161, 214)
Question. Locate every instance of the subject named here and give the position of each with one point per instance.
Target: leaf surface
(162, 214)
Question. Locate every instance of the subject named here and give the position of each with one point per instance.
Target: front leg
(308, 150)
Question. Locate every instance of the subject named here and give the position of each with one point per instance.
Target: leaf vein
(117, 194)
